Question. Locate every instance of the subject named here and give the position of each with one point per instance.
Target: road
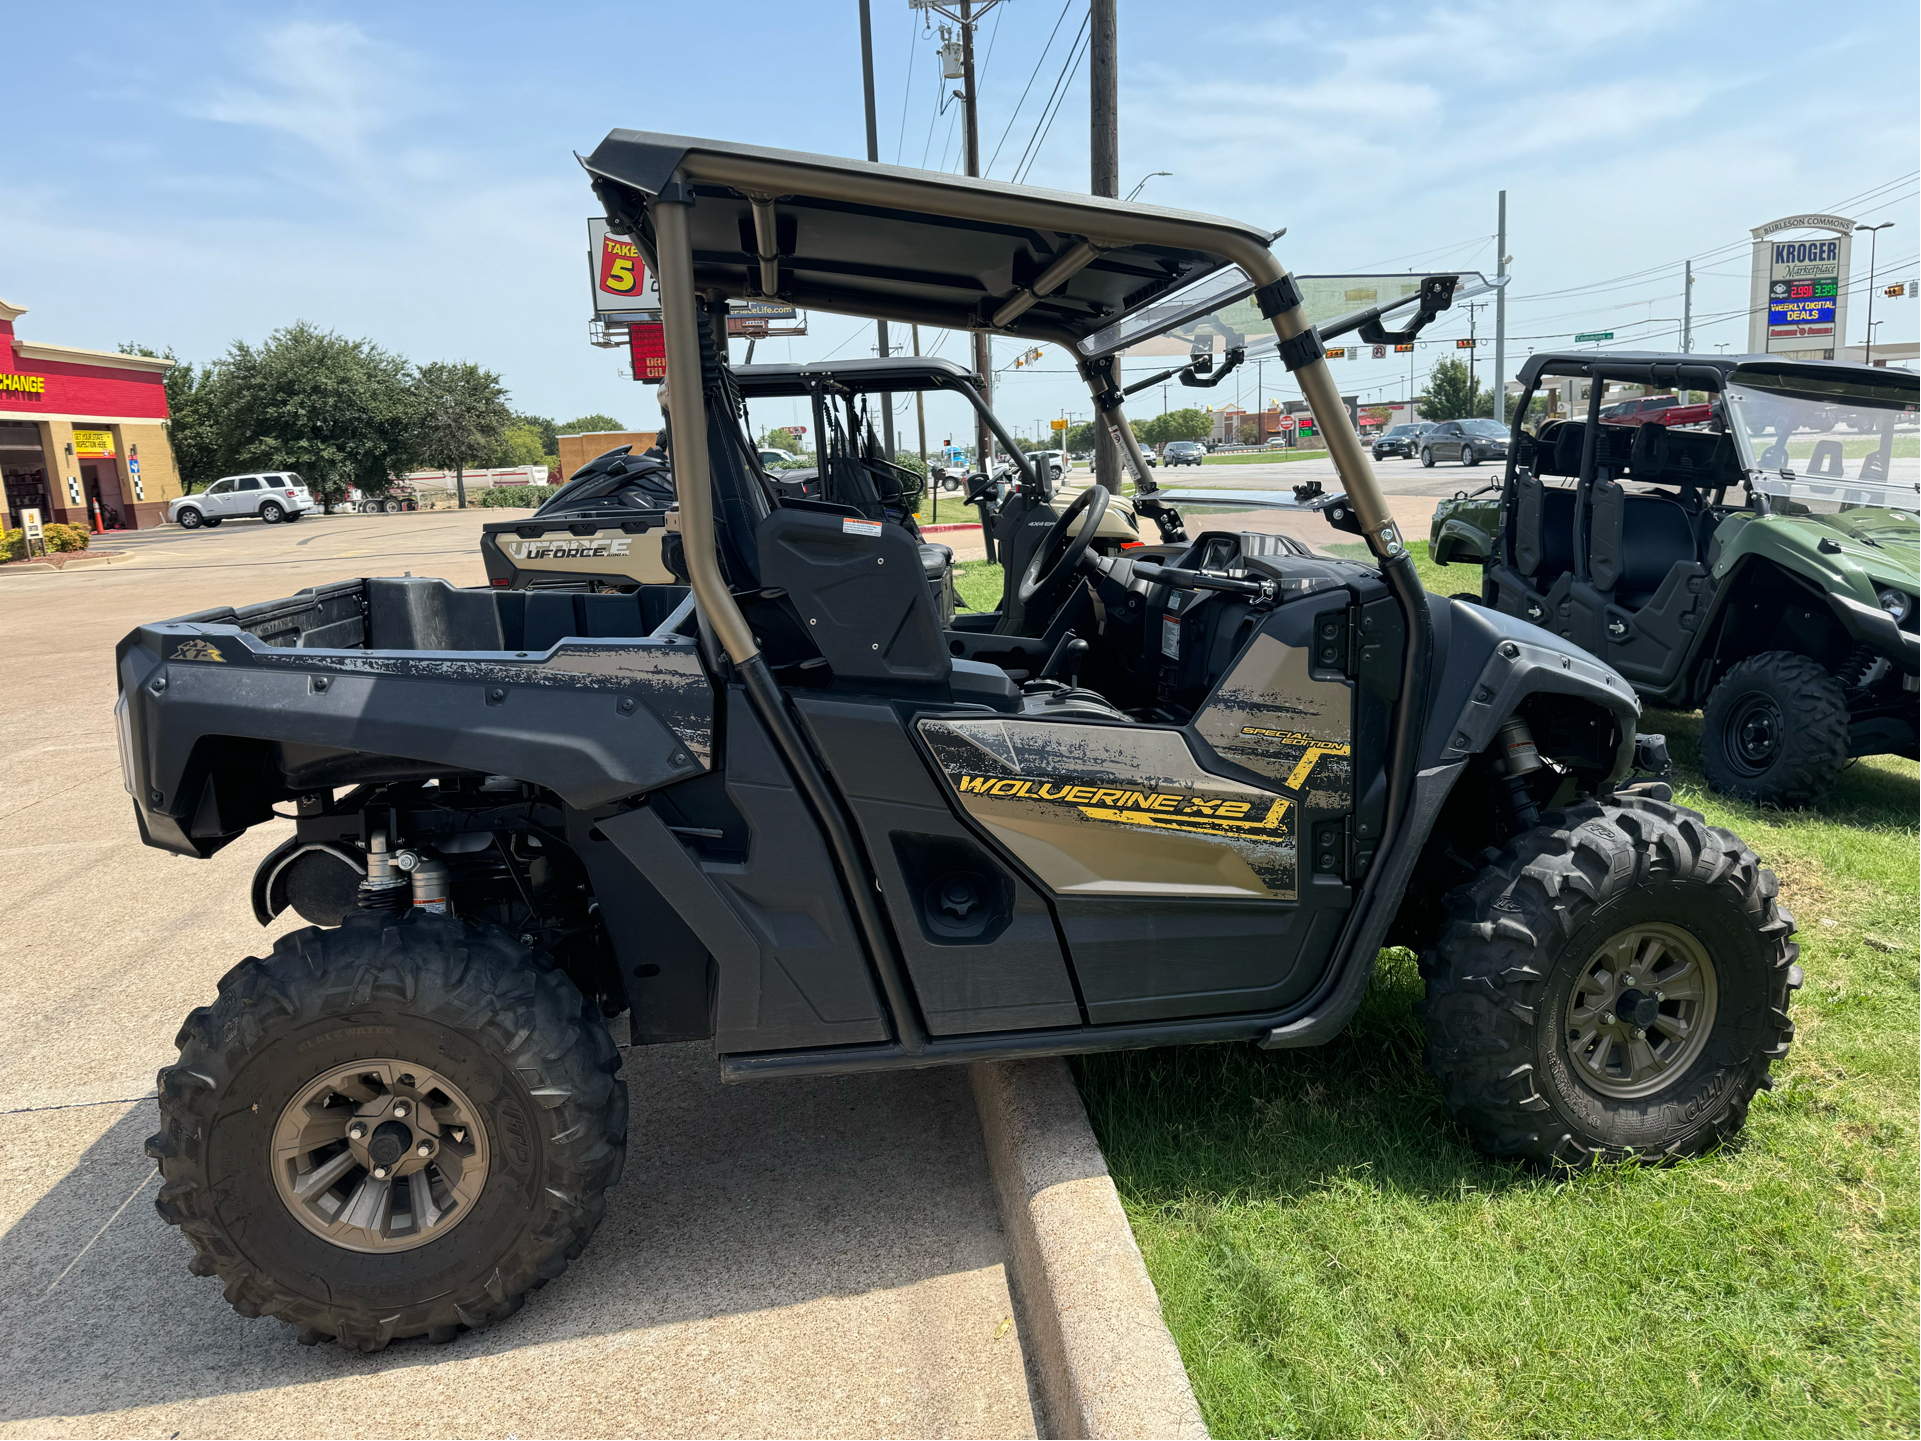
(803, 1258)
(1411, 490)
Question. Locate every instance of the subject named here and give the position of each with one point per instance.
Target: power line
(1618, 281)
(1039, 138)
(913, 35)
(1033, 75)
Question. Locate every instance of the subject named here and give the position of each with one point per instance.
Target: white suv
(274, 496)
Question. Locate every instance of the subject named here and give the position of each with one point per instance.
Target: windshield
(1828, 444)
(1220, 312)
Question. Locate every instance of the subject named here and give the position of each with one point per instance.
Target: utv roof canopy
(898, 244)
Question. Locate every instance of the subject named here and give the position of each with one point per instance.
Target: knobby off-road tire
(533, 1069)
(1775, 730)
(1526, 948)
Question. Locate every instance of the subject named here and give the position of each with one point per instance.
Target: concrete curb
(1101, 1357)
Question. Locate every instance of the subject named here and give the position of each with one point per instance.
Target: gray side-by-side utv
(782, 811)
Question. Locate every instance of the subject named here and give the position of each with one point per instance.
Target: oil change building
(78, 426)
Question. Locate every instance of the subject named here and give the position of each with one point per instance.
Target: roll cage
(719, 221)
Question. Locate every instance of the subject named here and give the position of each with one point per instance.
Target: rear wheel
(391, 507)
(1613, 987)
(1775, 730)
(273, 512)
(396, 1128)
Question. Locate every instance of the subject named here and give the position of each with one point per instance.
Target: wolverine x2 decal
(1116, 810)
(1163, 810)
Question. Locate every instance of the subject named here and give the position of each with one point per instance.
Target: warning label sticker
(851, 526)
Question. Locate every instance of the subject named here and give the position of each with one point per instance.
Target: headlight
(1896, 603)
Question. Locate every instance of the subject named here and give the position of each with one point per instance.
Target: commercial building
(577, 450)
(83, 433)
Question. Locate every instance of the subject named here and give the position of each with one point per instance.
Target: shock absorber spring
(1517, 757)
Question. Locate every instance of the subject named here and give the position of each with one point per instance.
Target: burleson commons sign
(1798, 295)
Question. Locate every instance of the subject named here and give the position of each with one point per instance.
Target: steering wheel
(1056, 557)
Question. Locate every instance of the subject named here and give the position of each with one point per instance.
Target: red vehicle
(1658, 409)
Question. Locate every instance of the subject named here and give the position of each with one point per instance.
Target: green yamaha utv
(783, 812)
(1754, 551)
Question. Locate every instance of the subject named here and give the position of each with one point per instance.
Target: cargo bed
(227, 711)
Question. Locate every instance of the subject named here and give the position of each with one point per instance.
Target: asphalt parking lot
(804, 1258)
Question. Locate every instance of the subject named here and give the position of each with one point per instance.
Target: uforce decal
(568, 549)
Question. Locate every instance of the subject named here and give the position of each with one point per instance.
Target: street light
(1144, 179)
(1874, 240)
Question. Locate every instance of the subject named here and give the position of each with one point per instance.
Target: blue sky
(190, 174)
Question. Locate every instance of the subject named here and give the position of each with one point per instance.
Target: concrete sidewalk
(799, 1258)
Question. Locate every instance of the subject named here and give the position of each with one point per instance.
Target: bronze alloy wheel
(382, 1155)
(1641, 1011)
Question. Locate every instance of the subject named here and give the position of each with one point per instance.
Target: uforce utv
(783, 811)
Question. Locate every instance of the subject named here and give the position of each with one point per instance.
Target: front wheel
(189, 519)
(394, 1128)
(1427, 457)
(1468, 457)
(1613, 987)
(1775, 730)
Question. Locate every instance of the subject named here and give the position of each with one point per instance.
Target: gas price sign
(1803, 286)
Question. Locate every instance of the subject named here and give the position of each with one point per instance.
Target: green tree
(1453, 393)
(780, 438)
(193, 409)
(1189, 423)
(588, 424)
(463, 417)
(340, 412)
(520, 445)
(1080, 437)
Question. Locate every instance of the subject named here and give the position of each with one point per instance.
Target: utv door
(1207, 868)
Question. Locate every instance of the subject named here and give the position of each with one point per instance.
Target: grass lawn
(1334, 1259)
(1262, 457)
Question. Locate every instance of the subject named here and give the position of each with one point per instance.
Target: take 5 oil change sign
(624, 289)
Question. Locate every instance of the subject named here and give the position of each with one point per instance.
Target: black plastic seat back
(1635, 539)
(1543, 531)
(860, 589)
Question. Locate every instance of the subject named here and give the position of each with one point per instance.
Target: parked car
(1402, 440)
(272, 496)
(1183, 452)
(774, 459)
(1468, 441)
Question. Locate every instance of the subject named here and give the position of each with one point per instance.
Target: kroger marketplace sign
(1798, 293)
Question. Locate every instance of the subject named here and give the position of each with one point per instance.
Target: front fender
(1457, 540)
(1492, 663)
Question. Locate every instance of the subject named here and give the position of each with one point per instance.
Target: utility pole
(1874, 241)
(970, 123)
(873, 153)
(1474, 309)
(1687, 309)
(1500, 318)
(1104, 156)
